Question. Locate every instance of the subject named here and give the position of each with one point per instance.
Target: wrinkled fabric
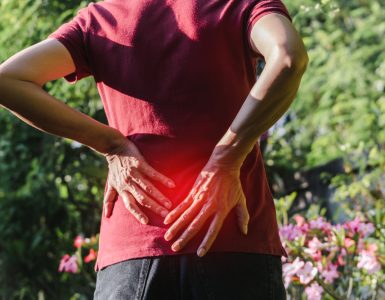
(172, 75)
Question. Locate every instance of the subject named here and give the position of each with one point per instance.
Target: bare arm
(21, 80)
(276, 39)
(217, 189)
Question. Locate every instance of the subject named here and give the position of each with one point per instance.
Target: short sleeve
(265, 7)
(73, 36)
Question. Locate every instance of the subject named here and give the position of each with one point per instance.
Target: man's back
(188, 59)
(172, 76)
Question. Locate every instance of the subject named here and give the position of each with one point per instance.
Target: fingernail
(167, 236)
(164, 213)
(144, 221)
(171, 184)
(176, 246)
(166, 221)
(201, 252)
(168, 204)
(245, 228)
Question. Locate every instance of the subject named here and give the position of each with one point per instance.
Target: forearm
(33, 105)
(268, 100)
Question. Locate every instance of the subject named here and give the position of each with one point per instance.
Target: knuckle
(124, 171)
(121, 190)
(130, 208)
(159, 210)
(150, 172)
(142, 200)
(138, 163)
(201, 213)
(148, 204)
(198, 197)
(192, 229)
(212, 231)
(147, 189)
(184, 217)
(133, 162)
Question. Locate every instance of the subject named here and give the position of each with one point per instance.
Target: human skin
(217, 189)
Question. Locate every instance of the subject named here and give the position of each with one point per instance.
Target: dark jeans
(216, 276)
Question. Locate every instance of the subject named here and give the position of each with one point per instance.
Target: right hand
(128, 176)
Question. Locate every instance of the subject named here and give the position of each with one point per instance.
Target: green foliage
(339, 113)
(339, 110)
(50, 188)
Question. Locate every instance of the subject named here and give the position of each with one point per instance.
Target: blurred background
(325, 160)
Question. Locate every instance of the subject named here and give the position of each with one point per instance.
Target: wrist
(226, 157)
(231, 150)
(113, 142)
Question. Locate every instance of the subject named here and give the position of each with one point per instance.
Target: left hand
(215, 193)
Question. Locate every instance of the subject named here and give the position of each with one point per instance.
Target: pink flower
(314, 292)
(299, 220)
(313, 249)
(290, 232)
(315, 254)
(68, 264)
(291, 269)
(368, 261)
(349, 242)
(365, 229)
(315, 244)
(330, 273)
(91, 256)
(352, 226)
(78, 241)
(356, 226)
(320, 224)
(340, 258)
(372, 249)
(307, 273)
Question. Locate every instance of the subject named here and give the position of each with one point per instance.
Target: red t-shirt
(172, 75)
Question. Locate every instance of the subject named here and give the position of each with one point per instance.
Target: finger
(192, 229)
(185, 218)
(129, 203)
(151, 190)
(183, 206)
(149, 171)
(211, 235)
(177, 211)
(243, 216)
(146, 201)
(109, 200)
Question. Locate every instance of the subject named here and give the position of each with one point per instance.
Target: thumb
(109, 200)
(243, 215)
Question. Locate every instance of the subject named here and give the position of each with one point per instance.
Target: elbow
(2, 77)
(291, 60)
(4, 74)
(295, 62)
